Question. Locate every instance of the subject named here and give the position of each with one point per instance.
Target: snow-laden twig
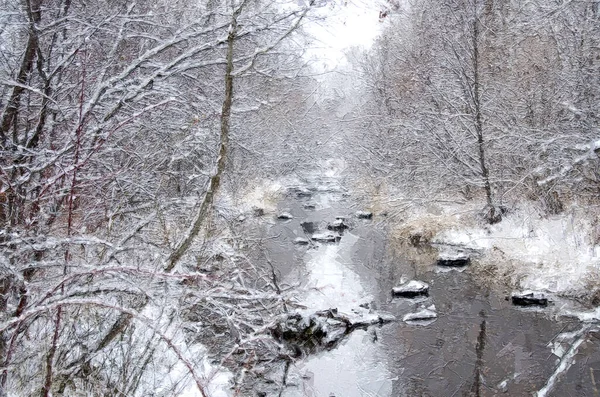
(590, 153)
(148, 322)
(565, 362)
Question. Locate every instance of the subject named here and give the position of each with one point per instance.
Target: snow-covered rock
(338, 224)
(411, 289)
(285, 216)
(322, 329)
(529, 298)
(453, 259)
(327, 237)
(364, 214)
(372, 319)
(424, 314)
(301, 241)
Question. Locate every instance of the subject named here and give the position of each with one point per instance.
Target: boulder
(364, 214)
(411, 289)
(529, 298)
(285, 216)
(327, 237)
(309, 206)
(301, 241)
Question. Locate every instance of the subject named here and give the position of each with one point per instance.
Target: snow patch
(172, 358)
(555, 254)
(264, 194)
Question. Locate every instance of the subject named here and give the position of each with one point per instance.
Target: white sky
(348, 24)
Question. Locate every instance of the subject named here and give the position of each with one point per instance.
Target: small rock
(386, 318)
(421, 315)
(285, 216)
(364, 215)
(241, 218)
(309, 206)
(301, 241)
(338, 224)
(308, 227)
(373, 319)
(411, 289)
(326, 237)
(529, 298)
(455, 259)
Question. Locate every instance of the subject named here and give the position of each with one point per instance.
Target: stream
(479, 345)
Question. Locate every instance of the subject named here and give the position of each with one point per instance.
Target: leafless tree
(486, 94)
(114, 136)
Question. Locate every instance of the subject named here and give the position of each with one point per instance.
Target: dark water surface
(480, 345)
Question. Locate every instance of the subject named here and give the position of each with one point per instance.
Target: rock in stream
(454, 259)
(285, 216)
(411, 289)
(327, 237)
(338, 225)
(529, 298)
(424, 314)
(364, 214)
(307, 333)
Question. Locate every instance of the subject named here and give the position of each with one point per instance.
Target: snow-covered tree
(114, 137)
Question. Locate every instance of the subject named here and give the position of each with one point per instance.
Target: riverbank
(559, 254)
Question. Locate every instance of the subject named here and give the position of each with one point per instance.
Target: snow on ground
(553, 253)
(263, 194)
(170, 374)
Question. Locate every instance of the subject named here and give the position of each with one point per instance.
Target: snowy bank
(557, 253)
(528, 250)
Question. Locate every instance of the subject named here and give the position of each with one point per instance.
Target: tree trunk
(491, 215)
(215, 180)
(32, 8)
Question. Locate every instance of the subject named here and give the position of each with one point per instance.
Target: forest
(153, 151)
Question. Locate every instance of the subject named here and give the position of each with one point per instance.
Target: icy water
(480, 345)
